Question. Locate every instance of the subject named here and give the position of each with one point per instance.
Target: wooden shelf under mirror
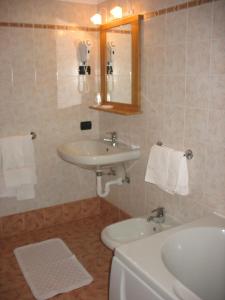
(120, 66)
(116, 110)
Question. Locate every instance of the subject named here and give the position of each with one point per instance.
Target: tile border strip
(175, 8)
(147, 15)
(49, 26)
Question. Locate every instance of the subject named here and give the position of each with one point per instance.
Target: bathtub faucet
(158, 215)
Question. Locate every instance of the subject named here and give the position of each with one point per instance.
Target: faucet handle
(160, 211)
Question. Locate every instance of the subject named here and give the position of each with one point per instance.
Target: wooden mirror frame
(116, 107)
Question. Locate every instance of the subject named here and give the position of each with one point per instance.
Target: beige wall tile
(176, 26)
(20, 11)
(218, 19)
(175, 59)
(157, 57)
(154, 31)
(198, 57)
(215, 172)
(197, 166)
(155, 90)
(5, 54)
(174, 93)
(200, 22)
(173, 125)
(198, 93)
(217, 127)
(4, 11)
(196, 124)
(218, 57)
(217, 100)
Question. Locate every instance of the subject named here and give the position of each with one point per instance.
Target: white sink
(196, 257)
(93, 153)
(130, 230)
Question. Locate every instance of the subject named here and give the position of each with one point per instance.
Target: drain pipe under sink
(100, 192)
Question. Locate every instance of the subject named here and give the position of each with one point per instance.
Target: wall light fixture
(117, 12)
(96, 19)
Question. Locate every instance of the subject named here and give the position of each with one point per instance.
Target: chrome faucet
(113, 139)
(158, 215)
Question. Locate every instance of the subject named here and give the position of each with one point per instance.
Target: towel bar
(188, 153)
(33, 134)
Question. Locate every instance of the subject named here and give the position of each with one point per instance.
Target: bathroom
(182, 96)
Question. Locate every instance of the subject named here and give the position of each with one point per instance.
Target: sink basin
(94, 153)
(196, 257)
(130, 230)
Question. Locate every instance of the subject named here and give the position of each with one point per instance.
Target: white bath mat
(50, 268)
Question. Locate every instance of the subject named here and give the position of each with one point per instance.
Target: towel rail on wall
(188, 153)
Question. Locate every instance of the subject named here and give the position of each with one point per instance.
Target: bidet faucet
(158, 215)
(113, 138)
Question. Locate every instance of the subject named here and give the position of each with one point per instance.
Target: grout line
(185, 76)
(210, 77)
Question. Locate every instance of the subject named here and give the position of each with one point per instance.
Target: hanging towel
(177, 181)
(157, 168)
(167, 169)
(18, 167)
(182, 186)
(4, 191)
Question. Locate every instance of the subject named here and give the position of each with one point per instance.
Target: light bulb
(117, 12)
(96, 19)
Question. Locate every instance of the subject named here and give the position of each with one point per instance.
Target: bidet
(132, 229)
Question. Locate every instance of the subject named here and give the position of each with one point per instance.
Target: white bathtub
(183, 263)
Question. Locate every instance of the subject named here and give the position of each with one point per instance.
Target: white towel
(18, 167)
(6, 191)
(167, 169)
(182, 186)
(157, 168)
(12, 152)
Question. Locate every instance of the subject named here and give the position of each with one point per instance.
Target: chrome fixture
(158, 215)
(113, 138)
(188, 153)
(33, 135)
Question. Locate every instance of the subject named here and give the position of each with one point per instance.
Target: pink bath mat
(50, 268)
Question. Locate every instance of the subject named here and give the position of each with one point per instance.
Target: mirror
(118, 64)
(119, 56)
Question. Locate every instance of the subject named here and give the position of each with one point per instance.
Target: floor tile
(82, 237)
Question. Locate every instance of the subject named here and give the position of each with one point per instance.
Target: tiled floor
(82, 237)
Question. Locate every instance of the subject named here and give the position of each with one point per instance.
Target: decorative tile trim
(48, 26)
(147, 15)
(119, 31)
(175, 8)
(58, 214)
